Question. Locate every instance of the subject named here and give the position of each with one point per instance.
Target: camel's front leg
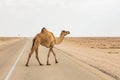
(48, 57)
(54, 56)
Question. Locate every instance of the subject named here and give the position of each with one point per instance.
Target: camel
(48, 40)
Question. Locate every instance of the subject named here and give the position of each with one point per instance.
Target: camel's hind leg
(37, 57)
(29, 56)
(54, 56)
(34, 47)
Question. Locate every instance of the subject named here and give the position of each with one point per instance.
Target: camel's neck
(59, 39)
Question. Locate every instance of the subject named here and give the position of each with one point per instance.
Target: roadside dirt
(100, 53)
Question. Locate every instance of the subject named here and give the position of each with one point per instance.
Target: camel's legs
(35, 46)
(54, 56)
(37, 57)
(29, 56)
(48, 56)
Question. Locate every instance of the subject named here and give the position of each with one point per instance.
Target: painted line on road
(14, 65)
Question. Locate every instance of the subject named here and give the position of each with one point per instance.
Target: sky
(83, 18)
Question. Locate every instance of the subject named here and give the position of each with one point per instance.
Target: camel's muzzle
(68, 32)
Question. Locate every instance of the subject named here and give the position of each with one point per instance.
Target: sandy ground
(100, 53)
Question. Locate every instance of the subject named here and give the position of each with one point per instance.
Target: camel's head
(65, 32)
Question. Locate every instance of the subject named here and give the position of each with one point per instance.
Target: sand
(100, 53)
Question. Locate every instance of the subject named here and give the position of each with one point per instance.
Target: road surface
(13, 57)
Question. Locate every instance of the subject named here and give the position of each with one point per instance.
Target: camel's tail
(33, 43)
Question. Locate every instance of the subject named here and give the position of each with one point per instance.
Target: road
(14, 56)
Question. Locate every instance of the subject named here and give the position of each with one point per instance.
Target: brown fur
(47, 39)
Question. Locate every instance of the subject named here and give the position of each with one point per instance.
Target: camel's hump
(44, 30)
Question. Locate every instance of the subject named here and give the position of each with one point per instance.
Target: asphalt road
(14, 56)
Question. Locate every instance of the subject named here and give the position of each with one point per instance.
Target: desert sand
(102, 53)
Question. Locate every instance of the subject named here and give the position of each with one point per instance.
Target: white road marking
(13, 67)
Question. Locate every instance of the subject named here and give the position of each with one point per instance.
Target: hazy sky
(80, 17)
